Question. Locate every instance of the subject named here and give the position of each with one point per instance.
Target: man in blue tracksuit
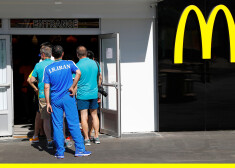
(60, 86)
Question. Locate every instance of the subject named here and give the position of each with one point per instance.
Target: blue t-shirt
(87, 85)
(38, 73)
(59, 76)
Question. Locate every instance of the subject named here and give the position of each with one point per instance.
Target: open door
(6, 111)
(110, 113)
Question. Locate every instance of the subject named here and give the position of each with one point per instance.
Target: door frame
(9, 85)
(117, 85)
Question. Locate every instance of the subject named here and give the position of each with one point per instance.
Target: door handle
(111, 84)
(5, 85)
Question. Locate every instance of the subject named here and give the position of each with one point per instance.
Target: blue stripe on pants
(68, 105)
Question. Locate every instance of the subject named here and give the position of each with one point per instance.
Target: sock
(35, 137)
(49, 140)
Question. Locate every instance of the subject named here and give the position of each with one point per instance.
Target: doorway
(25, 54)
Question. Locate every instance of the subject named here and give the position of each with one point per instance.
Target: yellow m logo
(206, 32)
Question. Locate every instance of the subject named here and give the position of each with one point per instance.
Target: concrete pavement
(166, 147)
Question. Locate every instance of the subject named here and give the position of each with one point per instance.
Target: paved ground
(177, 147)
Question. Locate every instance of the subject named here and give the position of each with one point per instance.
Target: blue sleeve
(74, 67)
(35, 74)
(46, 77)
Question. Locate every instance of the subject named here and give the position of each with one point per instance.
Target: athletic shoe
(50, 145)
(87, 142)
(96, 140)
(33, 140)
(85, 153)
(68, 143)
(59, 156)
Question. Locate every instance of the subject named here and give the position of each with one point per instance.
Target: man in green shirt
(38, 72)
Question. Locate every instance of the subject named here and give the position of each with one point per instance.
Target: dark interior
(25, 53)
(198, 94)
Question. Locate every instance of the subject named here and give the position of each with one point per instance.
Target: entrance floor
(170, 147)
(23, 131)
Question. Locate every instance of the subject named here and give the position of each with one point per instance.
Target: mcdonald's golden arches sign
(206, 32)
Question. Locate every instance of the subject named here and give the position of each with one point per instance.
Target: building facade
(134, 41)
(124, 35)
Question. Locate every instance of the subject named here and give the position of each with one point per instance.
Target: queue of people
(64, 88)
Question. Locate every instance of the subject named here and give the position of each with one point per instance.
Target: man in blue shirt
(58, 79)
(38, 73)
(87, 93)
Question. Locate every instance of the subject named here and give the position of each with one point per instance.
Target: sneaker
(96, 140)
(59, 156)
(33, 139)
(68, 143)
(50, 145)
(85, 153)
(87, 142)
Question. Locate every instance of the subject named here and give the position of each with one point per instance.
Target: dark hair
(81, 51)
(90, 54)
(57, 51)
(47, 44)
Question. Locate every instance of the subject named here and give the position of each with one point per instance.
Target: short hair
(81, 51)
(47, 44)
(47, 51)
(90, 54)
(57, 51)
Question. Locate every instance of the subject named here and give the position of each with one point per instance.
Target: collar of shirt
(84, 59)
(58, 60)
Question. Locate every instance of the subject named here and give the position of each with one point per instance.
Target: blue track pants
(66, 104)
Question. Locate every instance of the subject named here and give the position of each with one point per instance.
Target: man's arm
(32, 85)
(75, 89)
(75, 82)
(47, 96)
(100, 76)
(32, 79)
(100, 80)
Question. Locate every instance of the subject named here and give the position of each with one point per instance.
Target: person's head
(57, 52)
(81, 52)
(46, 44)
(45, 52)
(90, 55)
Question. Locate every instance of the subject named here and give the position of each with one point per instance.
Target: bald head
(81, 51)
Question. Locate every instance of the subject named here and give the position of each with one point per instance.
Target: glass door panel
(6, 112)
(110, 67)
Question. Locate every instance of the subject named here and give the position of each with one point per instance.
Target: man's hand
(72, 91)
(36, 90)
(49, 109)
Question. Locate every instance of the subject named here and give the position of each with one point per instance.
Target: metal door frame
(9, 86)
(117, 84)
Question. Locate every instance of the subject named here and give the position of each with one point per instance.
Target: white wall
(137, 95)
(133, 19)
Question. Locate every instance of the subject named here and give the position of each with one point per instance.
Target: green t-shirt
(38, 72)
